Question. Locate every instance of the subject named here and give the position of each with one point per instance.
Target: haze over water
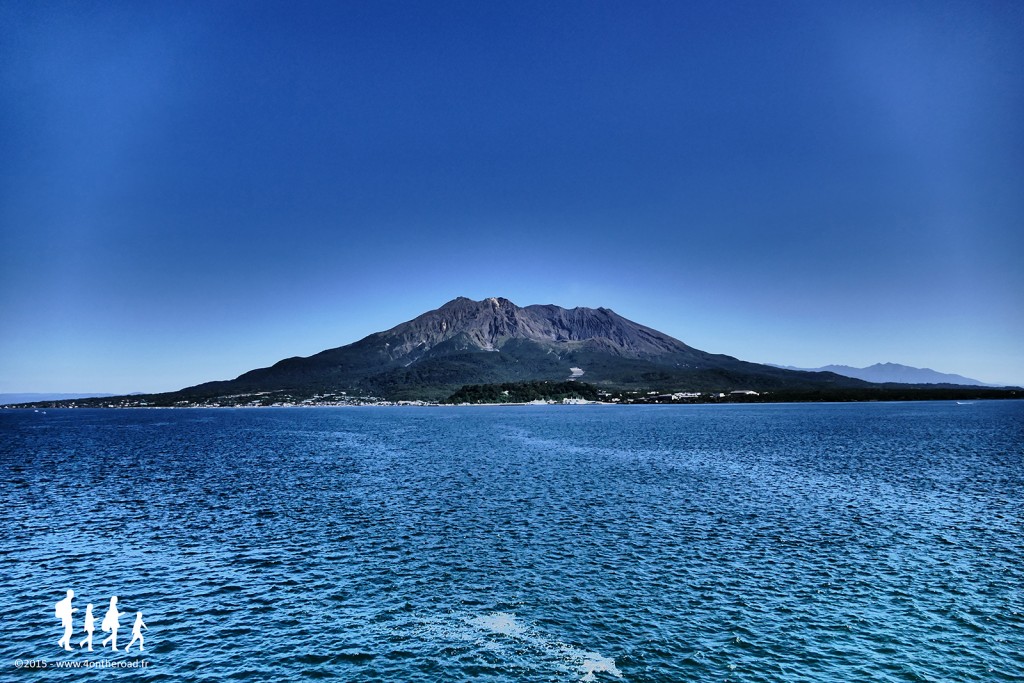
(857, 542)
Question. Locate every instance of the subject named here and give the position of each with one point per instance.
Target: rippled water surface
(866, 542)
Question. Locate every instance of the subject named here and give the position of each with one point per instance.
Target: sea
(801, 542)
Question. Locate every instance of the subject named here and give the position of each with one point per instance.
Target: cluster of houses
(655, 397)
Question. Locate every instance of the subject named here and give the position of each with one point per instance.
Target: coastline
(1010, 395)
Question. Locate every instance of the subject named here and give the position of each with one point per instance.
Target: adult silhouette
(110, 623)
(63, 611)
(90, 626)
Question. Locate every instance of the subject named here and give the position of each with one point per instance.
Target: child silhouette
(137, 633)
(90, 626)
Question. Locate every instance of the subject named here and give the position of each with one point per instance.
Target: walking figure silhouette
(63, 611)
(110, 623)
(90, 626)
(137, 632)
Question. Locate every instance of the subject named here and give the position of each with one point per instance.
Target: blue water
(860, 542)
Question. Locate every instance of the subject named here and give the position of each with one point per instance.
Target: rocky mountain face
(488, 325)
(494, 340)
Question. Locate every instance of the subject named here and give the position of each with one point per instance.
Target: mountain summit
(488, 325)
(494, 340)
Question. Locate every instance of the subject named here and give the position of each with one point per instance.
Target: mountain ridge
(14, 398)
(896, 373)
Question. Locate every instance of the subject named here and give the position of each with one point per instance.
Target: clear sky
(189, 190)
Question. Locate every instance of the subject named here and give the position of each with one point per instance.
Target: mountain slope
(493, 341)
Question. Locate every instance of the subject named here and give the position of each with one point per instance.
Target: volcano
(495, 341)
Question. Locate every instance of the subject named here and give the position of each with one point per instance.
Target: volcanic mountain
(493, 341)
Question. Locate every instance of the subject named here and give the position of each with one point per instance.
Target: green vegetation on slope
(523, 392)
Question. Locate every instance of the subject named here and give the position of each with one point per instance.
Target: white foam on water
(519, 645)
(543, 650)
(499, 622)
(594, 663)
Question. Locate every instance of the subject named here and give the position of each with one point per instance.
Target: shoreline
(386, 404)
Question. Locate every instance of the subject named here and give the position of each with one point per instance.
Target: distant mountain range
(11, 399)
(882, 373)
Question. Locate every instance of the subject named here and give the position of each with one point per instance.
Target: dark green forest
(523, 392)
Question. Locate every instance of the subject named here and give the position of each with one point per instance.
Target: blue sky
(192, 190)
